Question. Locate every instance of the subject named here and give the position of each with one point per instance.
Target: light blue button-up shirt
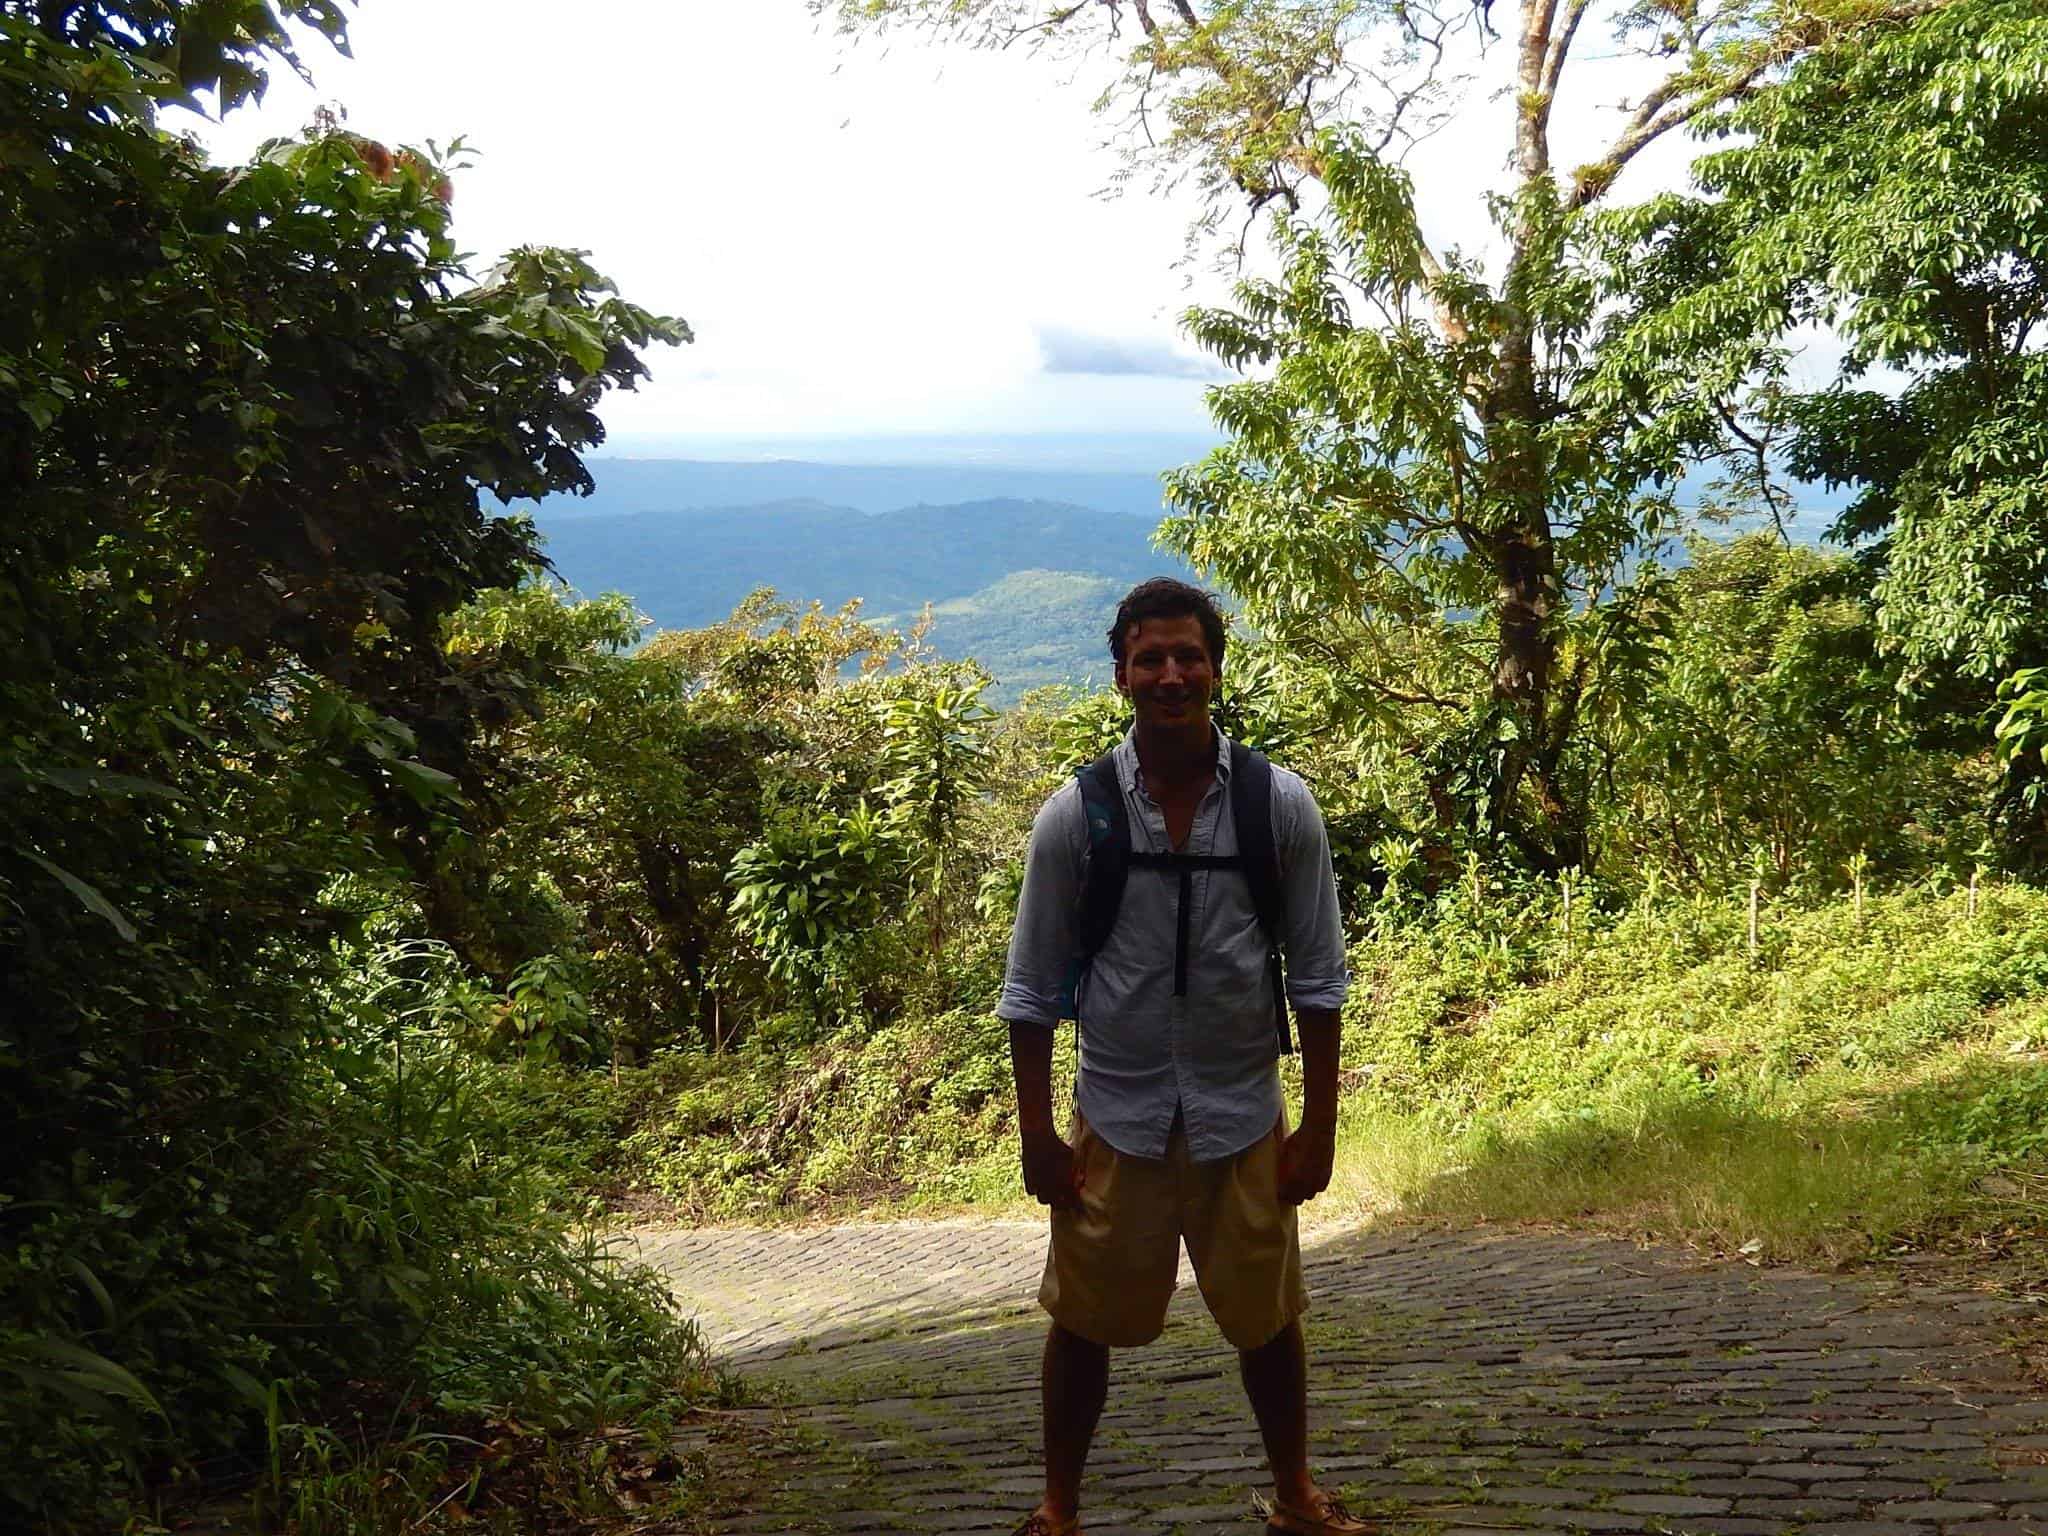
(1146, 1055)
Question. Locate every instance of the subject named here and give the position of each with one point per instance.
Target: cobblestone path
(1461, 1382)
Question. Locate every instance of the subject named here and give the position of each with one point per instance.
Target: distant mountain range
(1026, 587)
(671, 485)
(1023, 567)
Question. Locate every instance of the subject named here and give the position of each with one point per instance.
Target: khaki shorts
(1110, 1270)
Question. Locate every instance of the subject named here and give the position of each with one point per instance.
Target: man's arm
(1052, 1173)
(1317, 981)
(1041, 950)
(1308, 1156)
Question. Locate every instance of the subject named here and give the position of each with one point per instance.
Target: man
(1179, 1130)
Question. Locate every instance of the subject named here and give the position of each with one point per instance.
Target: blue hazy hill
(683, 485)
(1023, 564)
(692, 566)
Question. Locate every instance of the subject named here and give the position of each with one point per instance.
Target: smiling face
(1167, 673)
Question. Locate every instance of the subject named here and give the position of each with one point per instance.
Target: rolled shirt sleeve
(1317, 976)
(1043, 945)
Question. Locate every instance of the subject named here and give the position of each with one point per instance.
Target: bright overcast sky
(867, 240)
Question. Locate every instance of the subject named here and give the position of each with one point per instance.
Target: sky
(899, 241)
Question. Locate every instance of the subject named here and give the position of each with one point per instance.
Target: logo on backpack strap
(1100, 824)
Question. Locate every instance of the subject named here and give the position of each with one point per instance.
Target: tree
(714, 823)
(936, 757)
(864, 809)
(619, 800)
(1890, 189)
(1769, 726)
(1427, 494)
(246, 415)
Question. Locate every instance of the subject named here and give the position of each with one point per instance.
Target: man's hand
(1052, 1171)
(1306, 1158)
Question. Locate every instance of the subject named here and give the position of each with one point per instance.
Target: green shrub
(1997, 1113)
(918, 1112)
(418, 1269)
(1466, 1015)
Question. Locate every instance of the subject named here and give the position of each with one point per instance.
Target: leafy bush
(919, 1112)
(1767, 733)
(416, 1268)
(1999, 1114)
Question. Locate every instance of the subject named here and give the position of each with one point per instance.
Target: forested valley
(381, 923)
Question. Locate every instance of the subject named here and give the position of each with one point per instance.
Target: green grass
(1856, 1087)
(1861, 1084)
(1827, 1172)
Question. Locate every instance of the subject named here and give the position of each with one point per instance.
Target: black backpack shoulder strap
(1109, 852)
(1251, 809)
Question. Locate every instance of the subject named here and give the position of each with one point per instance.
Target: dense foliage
(1890, 189)
(247, 418)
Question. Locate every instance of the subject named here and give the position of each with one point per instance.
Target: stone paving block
(1800, 1510)
(1936, 1511)
(1670, 1504)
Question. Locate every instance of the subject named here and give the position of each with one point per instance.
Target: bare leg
(1074, 1380)
(1276, 1380)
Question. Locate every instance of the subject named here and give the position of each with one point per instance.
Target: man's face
(1167, 673)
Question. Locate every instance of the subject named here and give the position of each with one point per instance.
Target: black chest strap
(1185, 865)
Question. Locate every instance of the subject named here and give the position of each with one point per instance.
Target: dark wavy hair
(1164, 598)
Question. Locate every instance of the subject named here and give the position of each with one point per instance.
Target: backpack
(1111, 858)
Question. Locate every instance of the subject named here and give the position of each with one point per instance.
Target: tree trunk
(1527, 592)
(666, 876)
(1522, 549)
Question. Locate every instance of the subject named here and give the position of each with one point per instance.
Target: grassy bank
(1865, 1081)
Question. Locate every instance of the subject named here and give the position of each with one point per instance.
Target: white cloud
(1062, 350)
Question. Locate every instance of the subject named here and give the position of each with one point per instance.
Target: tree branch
(1561, 45)
(1668, 107)
(1454, 328)
(1655, 117)
(1775, 497)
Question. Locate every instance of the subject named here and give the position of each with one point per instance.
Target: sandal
(1323, 1516)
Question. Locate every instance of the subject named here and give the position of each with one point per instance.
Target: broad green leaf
(88, 896)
